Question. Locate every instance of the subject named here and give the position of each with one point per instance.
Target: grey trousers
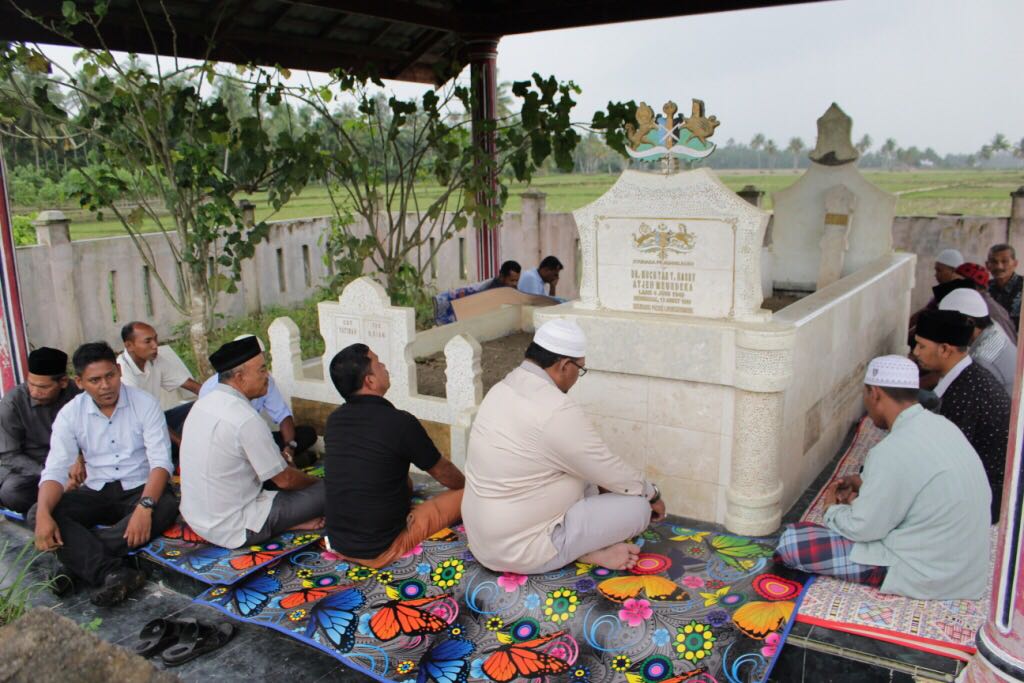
(18, 492)
(289, 508)
(597, 521)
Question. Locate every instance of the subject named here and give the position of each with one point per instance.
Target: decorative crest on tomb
(835, 145)
(670, 134)
(663, 240)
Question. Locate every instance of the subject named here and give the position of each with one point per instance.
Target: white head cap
(563, 337)
(950, 257)
(258, 340)
(966, 301)
(893, 371)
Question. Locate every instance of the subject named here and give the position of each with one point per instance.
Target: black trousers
(176, 423)
(18, 492)
(89, 553)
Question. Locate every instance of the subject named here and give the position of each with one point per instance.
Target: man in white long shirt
(923, 490)
(989, 346)
(121, 434)
(227, 454)
(157, 370)
(292, 439)
(535, 467)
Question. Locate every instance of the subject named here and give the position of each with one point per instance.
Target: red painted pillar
(13, 340)
(1000, 641)
(483, 55)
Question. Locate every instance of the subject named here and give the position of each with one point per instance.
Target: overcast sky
(945, 74)
(941, 73)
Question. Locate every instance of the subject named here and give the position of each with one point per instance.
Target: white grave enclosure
(732, 410)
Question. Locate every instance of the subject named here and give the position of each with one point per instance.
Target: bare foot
(618, 556)
(315, 523)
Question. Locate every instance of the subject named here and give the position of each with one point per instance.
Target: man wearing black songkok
(971, 397)
(27, 413)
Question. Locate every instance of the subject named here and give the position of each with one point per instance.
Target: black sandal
(158, 635)
(197, 639)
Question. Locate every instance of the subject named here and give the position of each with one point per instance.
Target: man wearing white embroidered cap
(542, 488)
(922, 488)
(946, 264)
(990, 347)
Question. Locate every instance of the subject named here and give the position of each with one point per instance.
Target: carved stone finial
(835, 146)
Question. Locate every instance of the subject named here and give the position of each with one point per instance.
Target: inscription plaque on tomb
(372, 331)
(680, 266)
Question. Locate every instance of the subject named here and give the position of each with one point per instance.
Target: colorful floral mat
(943, 627)
(183, 550)
(699, 606)
(11, 514)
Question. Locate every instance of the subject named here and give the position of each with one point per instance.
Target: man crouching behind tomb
(369, 445)
(122, 436)
(228, 453)
(922, 488)
(536, 468)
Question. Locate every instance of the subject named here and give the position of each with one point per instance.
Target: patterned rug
(183, 550)
(943, 627)
(699, 606)
(11, 514)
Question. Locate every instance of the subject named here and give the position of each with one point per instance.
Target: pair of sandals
(177, 641)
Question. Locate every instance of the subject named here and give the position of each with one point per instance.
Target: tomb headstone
(810, 240)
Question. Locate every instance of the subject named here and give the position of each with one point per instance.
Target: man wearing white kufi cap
(990, 347)
(923, 490)
(535, 466)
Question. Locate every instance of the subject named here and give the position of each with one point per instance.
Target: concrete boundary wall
(85, 290)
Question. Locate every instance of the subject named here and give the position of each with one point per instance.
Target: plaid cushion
(816, 549)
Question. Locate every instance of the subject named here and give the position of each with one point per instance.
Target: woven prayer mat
(701, 606)
(943, 627)
(183, 550)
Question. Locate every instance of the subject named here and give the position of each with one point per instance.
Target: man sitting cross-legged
(27, 413)
(369, 445)
(535, 467)
(922, 489)
(227, 453)
(122, 436)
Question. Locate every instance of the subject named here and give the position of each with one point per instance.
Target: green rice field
(921, 193)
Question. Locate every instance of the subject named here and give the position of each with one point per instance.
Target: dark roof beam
(398, 11)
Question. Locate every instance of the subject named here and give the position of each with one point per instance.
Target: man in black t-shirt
(369, 447)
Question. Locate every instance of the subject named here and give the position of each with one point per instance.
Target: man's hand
(139, 527)
(847, 488)
(553, 283)
(76, 475)
(658, 511)
(288, 453)
(831, 495)
(47, 533)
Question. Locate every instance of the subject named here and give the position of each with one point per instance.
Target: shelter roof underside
(401, 39)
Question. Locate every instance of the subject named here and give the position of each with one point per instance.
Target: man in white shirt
(538, 280)
(227, 454)
(293, 440)
(922, 486)
(122, 437)
(536, 468)
(155, 369)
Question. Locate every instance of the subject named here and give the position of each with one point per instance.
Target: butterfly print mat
(183, 550)
(699, 606)
(942, 627)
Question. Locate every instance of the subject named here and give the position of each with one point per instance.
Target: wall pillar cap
(50, 216)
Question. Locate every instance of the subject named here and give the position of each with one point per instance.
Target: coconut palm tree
(865, 144)
(756, 143)
(796, 145)
(771, 149)
(889, 151)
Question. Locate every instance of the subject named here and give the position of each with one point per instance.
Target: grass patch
(19, 586)
(304, 315)
(921, 193)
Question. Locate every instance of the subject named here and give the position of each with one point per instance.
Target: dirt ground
(498, 358)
